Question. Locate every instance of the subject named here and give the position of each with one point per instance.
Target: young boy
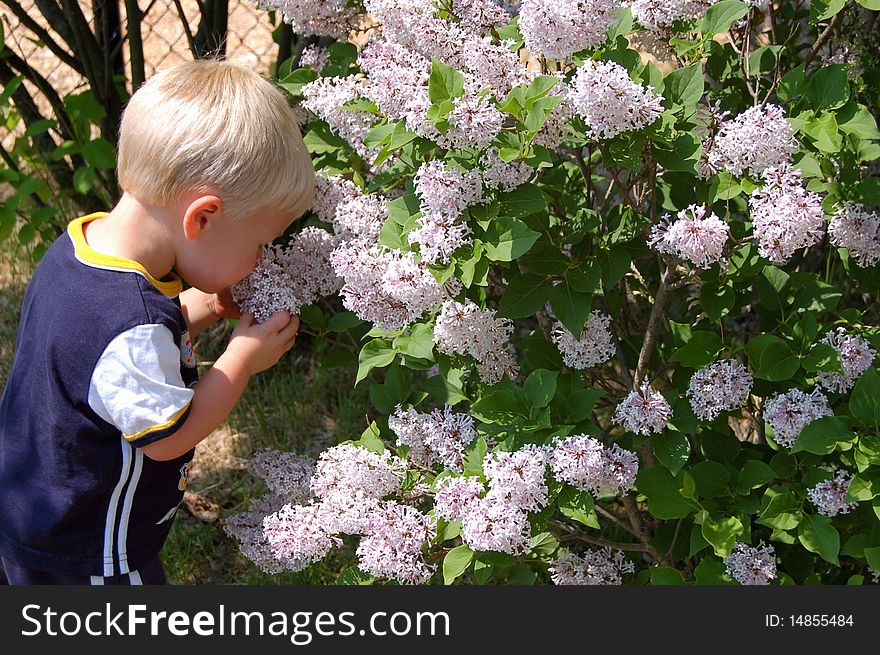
(101, 411)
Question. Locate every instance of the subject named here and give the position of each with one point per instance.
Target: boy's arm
(201, 310)
(252, 348)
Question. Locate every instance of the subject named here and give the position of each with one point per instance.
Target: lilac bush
(611, 268)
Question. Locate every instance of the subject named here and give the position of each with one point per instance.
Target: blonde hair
(217, 127)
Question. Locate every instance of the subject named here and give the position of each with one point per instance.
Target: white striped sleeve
(137, 387)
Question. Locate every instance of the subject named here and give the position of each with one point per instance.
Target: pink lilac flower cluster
(757, 139)
(719, 387)
(325, 98)
(477, 16)
(858, 230)
(320, 17)
(473, 122)
(559, 28)
(360, 219)
(659, 14)
(602, 566)
(517, 478)
(349, 483)
(829, 496)
(786, 217)
(465, 329)
(398, 84)
(609, 101)
(289, 277)
(455, 495)
(347, 468)
(694, 236)
(444, 195)
(297, 537)
(314, 57)
(393, 544)
(499, 521)
(330, 190)
(856, 356)
(643, 411)
(789, 413)
(415, 25)
(499, 174)
(595, 345)
(386, 287)
(752, 565)
(439, 437)
(286, 474)
(584, 463)
(247, 528)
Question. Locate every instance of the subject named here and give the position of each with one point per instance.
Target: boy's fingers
(277, 321)
(247, 319)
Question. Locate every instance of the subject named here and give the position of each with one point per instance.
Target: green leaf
(864, 487)
(672, 450)
(818, 536)
(445, 83)
(296, 80)
(540, 387)
(370, 439)
(855, 119)
(354, 576)
(666, 575)
(473, 456)
(822, 435)
(717, 300)
(508, 238)
(456, 562)
(524, 200)
(711, 478)
(393, 391)
(701, 350)
(84, 179)
(418, 343)
(822, 10)
(684, 86)
(873, 5)
(570, 306)
(663, 491)
(374, 354)
(753, 474)
(779, 509)
(100, 153)
(343, 322)
(721, 16)
(722, 534)
(821, 357)
(525, 295)
(864, 401)
(771, 358)
(578, 506)
(828, 88)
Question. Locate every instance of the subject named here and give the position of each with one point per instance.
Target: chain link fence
(165, 42)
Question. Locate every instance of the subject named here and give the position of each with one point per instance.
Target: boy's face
(228, 250)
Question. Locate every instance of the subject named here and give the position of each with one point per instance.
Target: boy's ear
(200, 215)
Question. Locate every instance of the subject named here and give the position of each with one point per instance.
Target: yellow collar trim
(171, 286)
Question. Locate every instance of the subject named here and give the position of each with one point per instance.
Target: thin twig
(653, 322)
(823, 37)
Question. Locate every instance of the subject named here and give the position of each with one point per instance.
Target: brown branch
(653, 322)
(194, 51)
(134, 17)
(823, 37)
(43, 35)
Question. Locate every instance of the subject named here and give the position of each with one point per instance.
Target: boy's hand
(260, 345)
(222, 305)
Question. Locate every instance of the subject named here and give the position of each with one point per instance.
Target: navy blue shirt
(103, 365)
